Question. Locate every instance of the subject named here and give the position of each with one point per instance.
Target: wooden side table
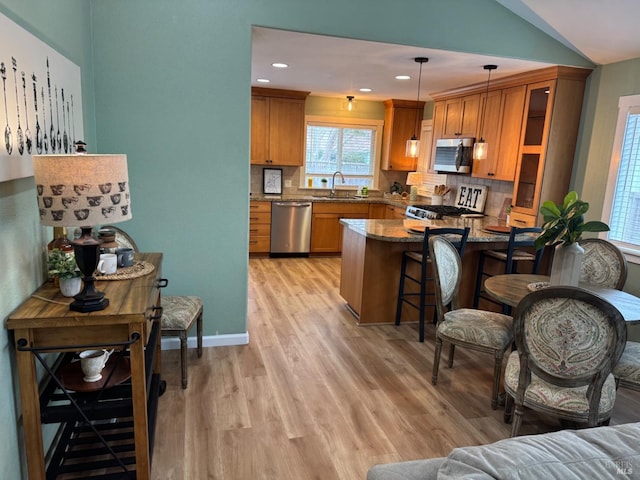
(44, 323)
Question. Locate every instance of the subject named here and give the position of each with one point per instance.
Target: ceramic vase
(70, 286)
(566, 265)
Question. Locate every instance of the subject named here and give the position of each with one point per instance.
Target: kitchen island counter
(372, 255)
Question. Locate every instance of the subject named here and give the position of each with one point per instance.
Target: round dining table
(510, 289)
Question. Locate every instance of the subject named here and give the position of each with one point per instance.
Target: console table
(131, 324)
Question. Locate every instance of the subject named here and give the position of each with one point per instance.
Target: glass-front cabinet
(526, 194)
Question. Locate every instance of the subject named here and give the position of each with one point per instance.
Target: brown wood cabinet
(547, 141)
(461, 116)
(326, 230)
(395, 213)
(277, 126)
(531, 135)
(259, 227)
(501, 130)
(402, 120)
(377, 210)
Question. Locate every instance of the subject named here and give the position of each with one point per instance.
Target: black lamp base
(87, 252)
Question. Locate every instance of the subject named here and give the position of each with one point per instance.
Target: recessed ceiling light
(262, 80)
(365, 89)
(402, 77)
(279, 65)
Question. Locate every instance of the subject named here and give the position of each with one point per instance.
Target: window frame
(626, 105)
(344, 122)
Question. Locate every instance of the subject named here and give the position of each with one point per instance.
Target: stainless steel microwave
(454, 155)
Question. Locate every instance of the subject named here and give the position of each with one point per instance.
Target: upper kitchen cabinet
(501, 130)
(401, 119)
(461, 116)
(547, 141)
(277, 126)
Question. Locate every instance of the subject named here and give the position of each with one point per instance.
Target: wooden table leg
(30, 408)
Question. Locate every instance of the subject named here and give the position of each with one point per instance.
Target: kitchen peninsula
(372, 254)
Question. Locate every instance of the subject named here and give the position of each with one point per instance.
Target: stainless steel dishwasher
(290, 229)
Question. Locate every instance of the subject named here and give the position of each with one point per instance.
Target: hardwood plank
(314, 395)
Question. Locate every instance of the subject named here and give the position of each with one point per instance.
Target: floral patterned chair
(479, 330)
(568, 341)
(603, 264)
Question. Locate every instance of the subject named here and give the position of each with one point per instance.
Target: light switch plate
(287, 183)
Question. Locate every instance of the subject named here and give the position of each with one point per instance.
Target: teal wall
(172, 92)
(168, 83)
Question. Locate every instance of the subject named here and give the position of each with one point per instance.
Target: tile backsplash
(498, 190)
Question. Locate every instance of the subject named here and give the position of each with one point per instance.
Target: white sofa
(602, 453)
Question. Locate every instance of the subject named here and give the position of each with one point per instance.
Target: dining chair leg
(517, 420)
(436, 360)
(497, 373)
(452, 351)
(508, 409)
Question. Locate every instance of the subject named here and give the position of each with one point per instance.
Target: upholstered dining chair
(179, 312)
(603, 264)
(520, 239)
(418, 299)
(568, 341)
(478, 330)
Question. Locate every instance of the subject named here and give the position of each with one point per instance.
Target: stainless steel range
(434, 212)
(469, 202)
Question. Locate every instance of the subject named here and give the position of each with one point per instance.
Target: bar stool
(511, 256)
(422, 259)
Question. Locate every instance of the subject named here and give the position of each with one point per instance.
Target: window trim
(626, 104)
(345, 122)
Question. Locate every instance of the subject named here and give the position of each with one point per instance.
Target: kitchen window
(340, 144)
(622, 199)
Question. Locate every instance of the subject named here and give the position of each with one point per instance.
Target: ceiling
(337, 67)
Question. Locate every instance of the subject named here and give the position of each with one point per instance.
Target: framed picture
(272, 181)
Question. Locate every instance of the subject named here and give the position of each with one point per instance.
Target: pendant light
(480, 147)
(413, 145)
(350, 103)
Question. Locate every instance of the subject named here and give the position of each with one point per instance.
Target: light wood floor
(314, 396)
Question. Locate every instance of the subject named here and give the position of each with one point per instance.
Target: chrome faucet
(333, 182)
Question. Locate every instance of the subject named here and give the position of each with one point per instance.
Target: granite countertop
(399, 230)
(396, 200)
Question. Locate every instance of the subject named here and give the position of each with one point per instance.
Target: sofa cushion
(413, 470)
(602, 453)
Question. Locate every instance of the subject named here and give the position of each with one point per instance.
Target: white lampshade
(414, 178)
(82, 190)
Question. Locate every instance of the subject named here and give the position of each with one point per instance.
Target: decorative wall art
(272, 181)
(41, 102)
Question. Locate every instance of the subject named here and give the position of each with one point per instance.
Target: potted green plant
(563, 226)
(63, 266)
(324, 182)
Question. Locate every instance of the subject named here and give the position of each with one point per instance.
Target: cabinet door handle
(490, 174)
(517, 220)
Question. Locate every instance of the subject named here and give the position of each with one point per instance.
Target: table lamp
(413, 180)
(83, 190)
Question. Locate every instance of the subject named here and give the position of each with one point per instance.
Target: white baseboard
(173, 343)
